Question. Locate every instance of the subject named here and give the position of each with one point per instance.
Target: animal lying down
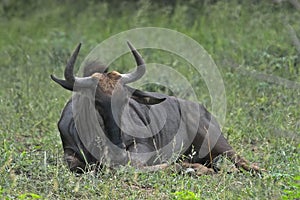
(108, 123)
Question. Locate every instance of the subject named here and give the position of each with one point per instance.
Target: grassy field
(252, 42)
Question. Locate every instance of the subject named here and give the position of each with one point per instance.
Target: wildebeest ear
(146, 98)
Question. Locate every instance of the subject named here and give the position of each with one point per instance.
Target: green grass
(262, 119)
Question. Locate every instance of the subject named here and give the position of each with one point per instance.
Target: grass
(249, 41)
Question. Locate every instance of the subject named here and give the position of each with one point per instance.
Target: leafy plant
(185, 195)
(294, 189)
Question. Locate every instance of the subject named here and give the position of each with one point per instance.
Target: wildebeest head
(108, 82)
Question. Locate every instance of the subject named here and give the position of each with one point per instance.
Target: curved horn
(69, 71)
(140, 70)
(63, 83)
(69, 75)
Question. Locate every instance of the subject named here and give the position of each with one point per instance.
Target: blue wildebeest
(109, 122)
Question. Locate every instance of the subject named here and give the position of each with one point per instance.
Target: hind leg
(242, 163)
(199, 168)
